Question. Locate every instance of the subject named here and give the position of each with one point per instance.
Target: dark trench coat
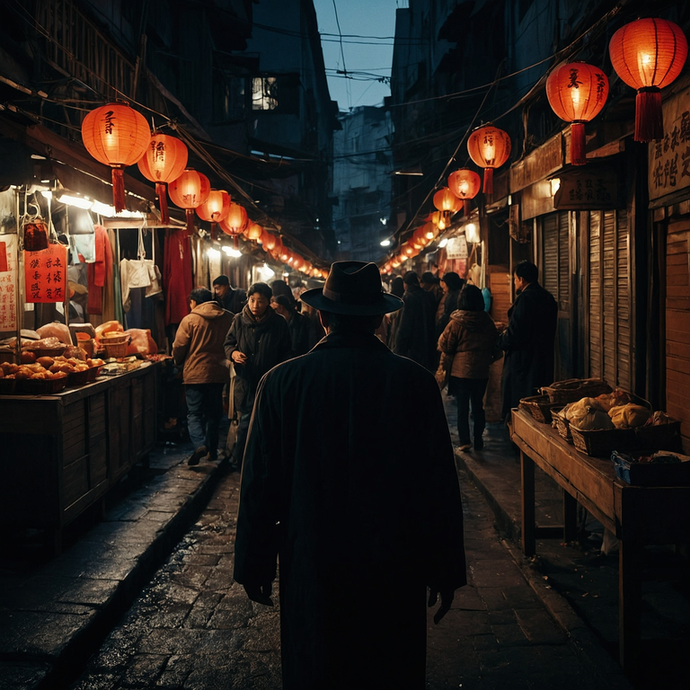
(358, 498)
(528, 344)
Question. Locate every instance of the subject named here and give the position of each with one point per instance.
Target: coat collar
(343, 340)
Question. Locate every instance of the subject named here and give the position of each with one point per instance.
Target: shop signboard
(8, 283)
(456, 248)
(594, 188)
(45, 274)
(669, 158)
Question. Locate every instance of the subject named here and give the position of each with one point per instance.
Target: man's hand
(260, 593)
(446, 601)
(239, 357)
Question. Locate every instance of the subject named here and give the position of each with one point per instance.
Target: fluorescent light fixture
(103, 209)
(213, 253)
(471, 234)
(386, 243)
(47, 194)
(443, 243)
(78, 201)
(231, 251)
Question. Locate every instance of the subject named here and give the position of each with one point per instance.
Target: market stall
(638, 515)
(62, 451)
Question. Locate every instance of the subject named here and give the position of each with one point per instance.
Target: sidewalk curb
(583, 641)
(87, 639)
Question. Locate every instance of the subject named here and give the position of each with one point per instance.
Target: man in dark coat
(528, 340)
(416, 337)
(257, 340)
(230, 298)
(362, 512)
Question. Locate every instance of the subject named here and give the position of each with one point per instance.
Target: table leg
(569, 517)
(528, 512)
(629, 603)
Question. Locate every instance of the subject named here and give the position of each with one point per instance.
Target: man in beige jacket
(199, 345)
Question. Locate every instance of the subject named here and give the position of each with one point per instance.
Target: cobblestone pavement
(194, 628)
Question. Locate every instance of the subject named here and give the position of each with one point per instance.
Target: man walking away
(232, 299)
(362, 510)
(529, 338)
(199, 345)
(415, 338)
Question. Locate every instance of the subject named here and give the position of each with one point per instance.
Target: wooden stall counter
(60, 453)
(637, 515)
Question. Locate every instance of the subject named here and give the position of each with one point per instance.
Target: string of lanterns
(646, 54)
(118, 136)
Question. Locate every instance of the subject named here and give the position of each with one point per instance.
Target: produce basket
(93, 373)
(40, 386)
(563, 392)
(7, 385)
(601, 442)
(78, 378)
(116, 344)
(659, 437)
(47, 352)
(539, 406)
(561, 424)
(658, 469)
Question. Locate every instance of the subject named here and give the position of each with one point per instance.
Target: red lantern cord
(118, 189)
(489, 148)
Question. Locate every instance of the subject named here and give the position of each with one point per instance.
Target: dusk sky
(366, 50)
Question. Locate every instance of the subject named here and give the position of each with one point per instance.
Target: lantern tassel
(118, 190)
(162, 195)
(189, 213)
(488, 181)
(578, 154)
(214, 231)
(649, 121)
(467, 207)
(235, 242)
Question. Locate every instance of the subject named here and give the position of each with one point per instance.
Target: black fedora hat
(352, 287)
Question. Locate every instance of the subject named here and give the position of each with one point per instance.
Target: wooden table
(60, 453)
(636, 515)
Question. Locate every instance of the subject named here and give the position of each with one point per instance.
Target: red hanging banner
(8, 273)
(45, 274)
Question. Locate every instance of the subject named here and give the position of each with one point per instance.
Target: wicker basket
(538, 406)
(7, 385)
(78, 378)
(116, 344)
(659, 437)
(563, 392)
(561, 424)
(40, 386)
(602, 442)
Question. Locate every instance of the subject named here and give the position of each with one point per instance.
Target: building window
(264, 93)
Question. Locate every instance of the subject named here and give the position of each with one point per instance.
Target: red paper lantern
(214, 209)
(268, 240)
(254, 231)
(577, 92)
(189, 191)
(164, 160)
(447, 203)
(116, 135)
(235, 223)
(648, 54)
(465, 184)
(489, 148)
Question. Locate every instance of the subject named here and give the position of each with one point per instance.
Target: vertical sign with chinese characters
(45, 274)
(669, 158)
(8, 283)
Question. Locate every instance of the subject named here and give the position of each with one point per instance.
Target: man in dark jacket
(528, 340)
(229, 298)
(363, 512)
(298, 324)
(416, 338)
(199, 345)
(257, 341)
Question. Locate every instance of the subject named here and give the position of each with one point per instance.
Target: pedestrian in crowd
(451, 284)
(230, 298)
(199, 345)
(280, 287)
(415, 338)
(315, 329)
(298, 324)
(362, 512)
(397, 289)
(470, 339)
(529, 338)
(432, 285)
(257, 341)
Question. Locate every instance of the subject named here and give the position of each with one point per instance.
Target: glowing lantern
(438, 220)
(163, 161)
(116, 135)
(189, 191)
(489, 148)
(254, 232)
(297, 262)
(235, 223)
(648, 54)
(268, 240)
(577, 92)
(214, 209)
(465, 184)
(430, 231)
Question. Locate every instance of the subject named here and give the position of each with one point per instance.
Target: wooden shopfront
(61, 453)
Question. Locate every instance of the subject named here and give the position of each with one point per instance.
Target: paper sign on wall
(8, 283)
(45, 274)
